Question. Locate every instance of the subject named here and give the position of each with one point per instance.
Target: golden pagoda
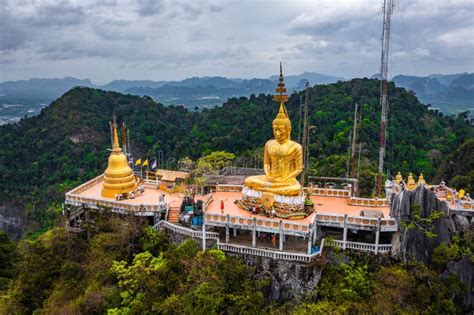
(118, 177)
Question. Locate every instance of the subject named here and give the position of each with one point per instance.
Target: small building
(169, 180)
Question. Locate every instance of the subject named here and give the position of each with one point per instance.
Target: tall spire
(116, 141)
(281, 95)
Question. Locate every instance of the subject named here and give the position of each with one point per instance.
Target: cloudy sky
(169, 40)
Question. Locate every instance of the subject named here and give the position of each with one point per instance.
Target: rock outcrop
(414, 243)
(288, 280)
(11, 222)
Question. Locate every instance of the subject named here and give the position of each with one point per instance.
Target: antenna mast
(387, 14)
(305, 140)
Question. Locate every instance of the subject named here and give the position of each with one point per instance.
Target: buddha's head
(281, 125)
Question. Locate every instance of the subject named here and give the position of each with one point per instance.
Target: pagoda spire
(281, 95)
(116, 147)
(118, 177)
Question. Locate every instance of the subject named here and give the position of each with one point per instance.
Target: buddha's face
(281, 132)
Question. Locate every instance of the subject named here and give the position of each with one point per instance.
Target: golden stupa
(283, 158)
(118, 177)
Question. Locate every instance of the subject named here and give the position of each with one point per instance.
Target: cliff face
(287, 280)
(414, 243)
(11, 222)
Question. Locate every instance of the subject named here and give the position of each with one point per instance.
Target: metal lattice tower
(387, 14)
(305, 139)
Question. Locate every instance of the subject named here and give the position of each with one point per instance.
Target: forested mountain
(41, 157)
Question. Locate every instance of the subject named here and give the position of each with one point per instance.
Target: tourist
(274, 240)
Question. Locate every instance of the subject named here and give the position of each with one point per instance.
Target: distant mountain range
(450, 93)
(28, 97)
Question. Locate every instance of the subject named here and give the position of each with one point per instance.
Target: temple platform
(144, 204)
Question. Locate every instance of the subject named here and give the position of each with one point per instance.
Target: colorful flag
(138, 162)
(145, 163)
(153, 165)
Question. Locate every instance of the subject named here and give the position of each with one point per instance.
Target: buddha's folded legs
(261, 183)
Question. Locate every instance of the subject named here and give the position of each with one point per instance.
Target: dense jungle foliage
(129, 268)
(42, 157)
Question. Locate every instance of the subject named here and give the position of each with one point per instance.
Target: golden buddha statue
(398, 178)
(421, 179)
(118, 177)
(283, 158)
(411, 182)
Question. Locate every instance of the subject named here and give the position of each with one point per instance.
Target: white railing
(461, 205)
(333, 219)
(86, 185)
(271, 225)
(366, 247)
(239, 249)
(185, 231)
(274, 254)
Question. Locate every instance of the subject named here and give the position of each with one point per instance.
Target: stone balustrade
(366, 247)
(185, 231)
(368, 202)
(355, 222)
(86, 185)
(331, 192)
(240, 249)
(268, 253)
(261, 223)
(229, 188)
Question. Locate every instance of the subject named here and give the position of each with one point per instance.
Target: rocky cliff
(11, 222)
(415, 243)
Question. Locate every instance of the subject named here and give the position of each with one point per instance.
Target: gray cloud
(173, 39)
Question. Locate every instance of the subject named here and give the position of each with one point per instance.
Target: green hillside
(43, 156)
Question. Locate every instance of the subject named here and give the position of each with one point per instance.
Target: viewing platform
(146, 203)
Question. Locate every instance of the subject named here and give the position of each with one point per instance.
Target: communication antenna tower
(305, 140)
(387, 14)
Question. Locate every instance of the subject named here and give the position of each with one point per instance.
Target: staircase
(173, 215)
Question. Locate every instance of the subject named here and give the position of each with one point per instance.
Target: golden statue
(283, 158)
(398, 178)
(421, 179)
(411, 182)
(118, 177)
